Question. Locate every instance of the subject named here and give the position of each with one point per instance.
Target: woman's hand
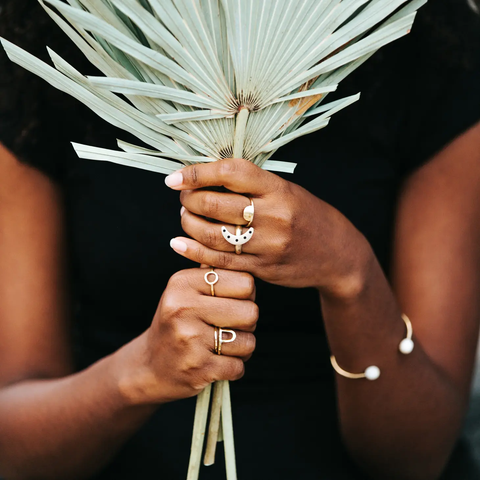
(299, 240)
(175, 357)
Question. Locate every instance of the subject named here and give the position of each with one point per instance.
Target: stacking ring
(211, 282)
(239, 238)
(238, 232)
(248, 213)
(219, 340)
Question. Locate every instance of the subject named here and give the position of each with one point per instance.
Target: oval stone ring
(248, 213)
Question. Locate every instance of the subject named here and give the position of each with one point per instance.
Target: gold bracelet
(370, 373)
(373, 372)
(406, 345)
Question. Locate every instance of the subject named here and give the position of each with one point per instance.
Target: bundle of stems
(200, 80)
(221, 409)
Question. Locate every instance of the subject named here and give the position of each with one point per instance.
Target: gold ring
(248, 213)
(219, 340)
(211, 282)
(215, 333)
(238, 233)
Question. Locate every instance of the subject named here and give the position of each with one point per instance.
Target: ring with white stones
(248, 213)
(239, 238)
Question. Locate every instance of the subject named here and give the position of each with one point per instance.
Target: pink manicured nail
(182, 211)
(174, 180)
(178, 245)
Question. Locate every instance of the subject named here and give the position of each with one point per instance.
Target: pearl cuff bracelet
(373, 372)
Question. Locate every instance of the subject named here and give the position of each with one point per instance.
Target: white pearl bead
(406, 346)
(372, 373)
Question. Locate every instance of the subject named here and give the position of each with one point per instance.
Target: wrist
(351, 271)
(135, 382)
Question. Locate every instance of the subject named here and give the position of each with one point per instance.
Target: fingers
(199, 253)
(241, 345)
(235, 174)
(210, 234)
(229, 313)
(224, 207)
(227, 284)
(226, 368)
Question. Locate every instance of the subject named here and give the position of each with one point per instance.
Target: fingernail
(178, 245)
(174, 180)
(182, 211)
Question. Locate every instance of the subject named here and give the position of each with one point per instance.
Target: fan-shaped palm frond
(178, 71)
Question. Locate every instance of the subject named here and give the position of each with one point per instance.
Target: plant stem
(221, 405)
(214, 427)
(199, 427)
(227, 425)
(220, 433)
(240, 127)
(227, 422)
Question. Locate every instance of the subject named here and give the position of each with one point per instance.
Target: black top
(120, 222)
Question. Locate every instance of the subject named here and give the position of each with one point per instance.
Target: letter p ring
(219, 340)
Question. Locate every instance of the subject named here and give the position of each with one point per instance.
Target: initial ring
(219, 340)
(211, 282)
(248, 213)
(239, 238)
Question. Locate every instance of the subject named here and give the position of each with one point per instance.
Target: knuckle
(210, 237)
(183, 196)
(229, 368)
(194, 175)
(184, 223)
(285, 218)
(281, 244)
(213, 370)
(237, 369)
(170, 307)
(242, 164)
(249, 284)
(227, 168)
(199, 255)
(254, 314)
(284, 187)
(250, 343)
(250, 314)
(185, 334)
(190, 366)
(209, 375)
(211, 205)
(178, 280)
(232, 369)
(225, 260)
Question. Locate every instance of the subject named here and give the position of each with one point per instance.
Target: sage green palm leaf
(177, 72)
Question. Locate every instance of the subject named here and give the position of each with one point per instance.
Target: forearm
(403, 425)
(68, 427)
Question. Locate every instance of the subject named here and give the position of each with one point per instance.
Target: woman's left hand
(299, 240)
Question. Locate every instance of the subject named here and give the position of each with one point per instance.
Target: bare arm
(49, 425)
(406, 423)
(403, 425)
(58, 424)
